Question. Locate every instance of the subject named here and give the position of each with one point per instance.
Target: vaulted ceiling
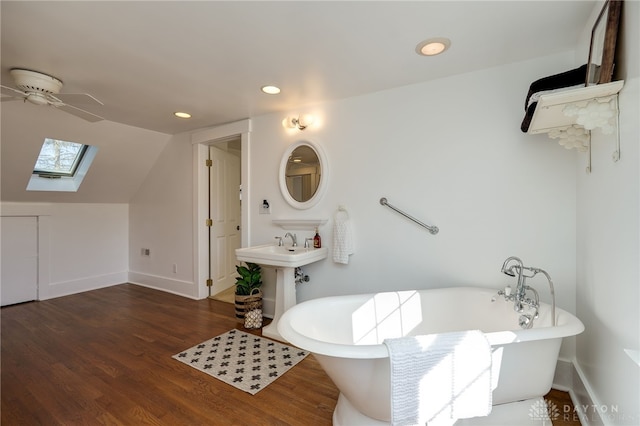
(145, 60)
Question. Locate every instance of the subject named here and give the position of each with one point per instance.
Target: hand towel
(439, 378)
(342, 237)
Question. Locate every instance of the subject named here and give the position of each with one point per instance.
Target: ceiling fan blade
(78, 98)
(85, 115)
(10, 91)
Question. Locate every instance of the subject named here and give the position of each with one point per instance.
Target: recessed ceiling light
(182, 114)
(433, 46)
(270, 90)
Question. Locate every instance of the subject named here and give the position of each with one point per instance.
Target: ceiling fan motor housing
(32, 81)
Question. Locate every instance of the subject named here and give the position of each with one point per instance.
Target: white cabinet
(19, 259)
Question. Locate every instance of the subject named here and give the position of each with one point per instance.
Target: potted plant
(248, 294)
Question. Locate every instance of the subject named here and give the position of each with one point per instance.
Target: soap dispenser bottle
(317, 242)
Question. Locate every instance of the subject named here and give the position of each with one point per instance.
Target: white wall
(608, 253)
(81, 246)
(449, 152)
(86, 243)
(161, 220)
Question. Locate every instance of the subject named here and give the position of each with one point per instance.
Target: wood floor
(104, 357)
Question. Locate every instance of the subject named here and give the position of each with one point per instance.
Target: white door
(225, 213)
(19, 259)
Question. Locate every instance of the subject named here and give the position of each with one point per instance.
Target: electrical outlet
(175, 268)
(145, 252)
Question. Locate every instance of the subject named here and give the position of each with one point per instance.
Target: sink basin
(284, 256)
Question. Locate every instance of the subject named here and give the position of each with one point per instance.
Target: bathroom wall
(84, 234)
(449, 152)
(161, 220)
(608, 252)
(82, 246)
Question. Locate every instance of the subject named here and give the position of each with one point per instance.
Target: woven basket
(248, 303)
(253, 319)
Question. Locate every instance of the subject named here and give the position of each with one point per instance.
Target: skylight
(61, 166)
(59, 158)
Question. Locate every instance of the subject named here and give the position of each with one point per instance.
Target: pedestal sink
(284, 259)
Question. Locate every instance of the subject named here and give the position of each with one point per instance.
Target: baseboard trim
(180, 288)
(66, 288)
(570, 378)
(587, 406)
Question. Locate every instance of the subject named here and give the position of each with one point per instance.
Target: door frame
(200, 142)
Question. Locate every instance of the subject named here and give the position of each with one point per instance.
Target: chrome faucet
(512, 270)
(513, 267)
(294, 240)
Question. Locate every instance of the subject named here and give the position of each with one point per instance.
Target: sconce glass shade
(305, 120)
(301, 122)
(288, 123)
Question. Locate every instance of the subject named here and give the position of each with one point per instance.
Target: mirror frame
(324, 175)
(603, 44)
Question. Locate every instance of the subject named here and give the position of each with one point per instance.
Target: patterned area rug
(245, 361)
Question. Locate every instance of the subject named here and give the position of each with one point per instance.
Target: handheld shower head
(511, 270)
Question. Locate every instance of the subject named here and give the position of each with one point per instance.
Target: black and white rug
(243, 360)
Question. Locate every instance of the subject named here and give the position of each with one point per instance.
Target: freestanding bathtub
(346, 334)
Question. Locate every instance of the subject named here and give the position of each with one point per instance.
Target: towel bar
(433, 229)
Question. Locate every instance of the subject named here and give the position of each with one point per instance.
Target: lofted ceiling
(145, 60)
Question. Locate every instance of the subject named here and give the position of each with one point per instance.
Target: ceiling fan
(43, 89)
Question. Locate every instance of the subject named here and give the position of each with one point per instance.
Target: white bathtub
(346, 335)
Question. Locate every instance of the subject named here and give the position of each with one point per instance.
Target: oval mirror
(303, 174)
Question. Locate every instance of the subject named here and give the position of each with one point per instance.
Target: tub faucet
(294, 239)
(513, 267)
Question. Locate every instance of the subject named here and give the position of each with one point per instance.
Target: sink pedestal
(285, 260)
(285, 299)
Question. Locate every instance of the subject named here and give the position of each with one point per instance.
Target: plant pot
(245, 304)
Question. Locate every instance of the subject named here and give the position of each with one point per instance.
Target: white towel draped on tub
(342, 237)
(439, 378)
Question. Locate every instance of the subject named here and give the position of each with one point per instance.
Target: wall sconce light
(301, 122)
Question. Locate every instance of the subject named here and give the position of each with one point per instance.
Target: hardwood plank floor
(104, 357)
(565, 414)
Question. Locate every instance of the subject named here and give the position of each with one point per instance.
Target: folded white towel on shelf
(342, 237)
(439, 378)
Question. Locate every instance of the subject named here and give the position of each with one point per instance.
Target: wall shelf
(571, 114)
(299, 224)
(549, 113)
